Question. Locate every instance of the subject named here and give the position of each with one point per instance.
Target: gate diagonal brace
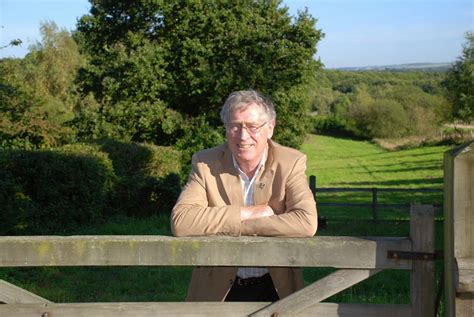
(416, 256)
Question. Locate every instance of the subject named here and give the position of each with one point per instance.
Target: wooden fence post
(423, 272)
(459, 231)
(312, 184)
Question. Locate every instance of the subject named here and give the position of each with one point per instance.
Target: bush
(45, 192)
(387, 119)
(54, 191)
(199, 135)
(148, 177)
(330, 125)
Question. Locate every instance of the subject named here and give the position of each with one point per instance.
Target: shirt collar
(259, 167)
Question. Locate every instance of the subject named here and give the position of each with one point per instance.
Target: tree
(459, 83)
(387, 119)
(38, 92)
(189, 55)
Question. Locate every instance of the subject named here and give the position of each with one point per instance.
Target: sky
(357, 32)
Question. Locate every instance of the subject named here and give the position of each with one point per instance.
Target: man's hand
(255, 212)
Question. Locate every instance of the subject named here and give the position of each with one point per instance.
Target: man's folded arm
(192, 216)
(300, 216)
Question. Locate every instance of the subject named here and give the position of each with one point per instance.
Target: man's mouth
(245, 146)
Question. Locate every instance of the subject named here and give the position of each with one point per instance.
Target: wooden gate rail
(203, 309)
(367, 253)
(357, 258)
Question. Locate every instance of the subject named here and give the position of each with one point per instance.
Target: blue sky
(358, 32)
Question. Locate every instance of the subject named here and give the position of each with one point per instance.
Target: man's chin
(245, 156)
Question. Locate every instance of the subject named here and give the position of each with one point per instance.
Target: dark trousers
(261, 290)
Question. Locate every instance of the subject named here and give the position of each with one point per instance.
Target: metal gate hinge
(417, 256)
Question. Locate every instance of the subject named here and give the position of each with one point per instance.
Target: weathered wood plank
(448, 231)
(12, 294)
(423, 272)
(315, 293)
(368, 253)
(466, 275)
(458, 226)
(195, 309)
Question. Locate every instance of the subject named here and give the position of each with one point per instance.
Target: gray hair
(239, 100)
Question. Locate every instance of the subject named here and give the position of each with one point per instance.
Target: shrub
(45, 192)
(330, 125)
(387, 119)
(147, 177)
(199, 135)
(54, 191)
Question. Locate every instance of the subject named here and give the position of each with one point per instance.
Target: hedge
(55, 191)
(148, 177)
(52, 191)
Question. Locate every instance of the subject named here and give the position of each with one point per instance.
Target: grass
(336, 163)
(347, 163)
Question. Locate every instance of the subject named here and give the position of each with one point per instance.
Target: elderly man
(248, 186)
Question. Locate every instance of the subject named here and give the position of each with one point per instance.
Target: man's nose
(244, 133)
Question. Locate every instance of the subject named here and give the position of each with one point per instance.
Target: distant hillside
(402, 67)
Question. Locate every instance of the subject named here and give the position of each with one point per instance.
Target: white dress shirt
(247, 189)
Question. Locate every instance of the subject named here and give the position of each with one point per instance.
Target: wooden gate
(357, 258)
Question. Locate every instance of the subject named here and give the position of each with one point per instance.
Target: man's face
(247, 133)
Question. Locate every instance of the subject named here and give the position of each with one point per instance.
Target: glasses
(251, 129)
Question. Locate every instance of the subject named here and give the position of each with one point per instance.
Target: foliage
(185, 57)
(387, 118)
(460, 83)
(372, 104)
(52, 191)
(38, 92)
(293, 120)
(147, 178)
(200, 135)
(125, 120)
(23, 120)
(15, 42)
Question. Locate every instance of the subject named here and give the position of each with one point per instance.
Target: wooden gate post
(423, 273)
(459, 231)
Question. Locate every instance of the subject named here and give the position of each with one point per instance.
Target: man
(248, 186)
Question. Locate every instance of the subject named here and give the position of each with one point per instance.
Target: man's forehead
(254, 108)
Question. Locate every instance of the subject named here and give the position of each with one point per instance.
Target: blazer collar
(263, 183)
(233, 186)
(230, 179)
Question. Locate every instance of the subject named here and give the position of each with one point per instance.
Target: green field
(336, 163)
(347, 163)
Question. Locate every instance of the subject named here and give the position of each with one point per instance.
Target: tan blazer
(210, 205)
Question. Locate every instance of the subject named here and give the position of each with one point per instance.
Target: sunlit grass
(338, 162)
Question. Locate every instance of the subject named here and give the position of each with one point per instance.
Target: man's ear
(271, 127)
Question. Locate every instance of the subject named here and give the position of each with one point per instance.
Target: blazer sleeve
(192, 216)
(300, 216)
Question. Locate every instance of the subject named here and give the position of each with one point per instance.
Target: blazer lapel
(230, 180)
(263, 183)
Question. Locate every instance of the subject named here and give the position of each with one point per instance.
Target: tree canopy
(460, 83)
(157, 66)
(38, 92)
